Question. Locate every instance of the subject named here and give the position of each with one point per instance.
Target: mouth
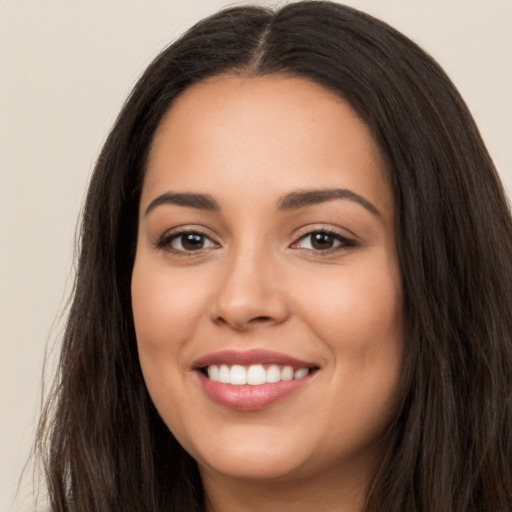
(253, 379)
(254, 375)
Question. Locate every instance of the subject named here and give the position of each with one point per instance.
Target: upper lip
(249, 357)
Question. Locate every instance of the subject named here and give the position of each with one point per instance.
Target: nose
(250, 292)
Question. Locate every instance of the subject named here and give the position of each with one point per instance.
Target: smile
(253, 379)
(254, 375)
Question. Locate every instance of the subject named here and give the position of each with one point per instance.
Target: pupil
(321, 241)
(192, 241)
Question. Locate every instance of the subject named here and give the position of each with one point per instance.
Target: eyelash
(165, 242)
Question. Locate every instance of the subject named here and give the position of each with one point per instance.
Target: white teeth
(238, 375)
(287, 373)
(302, 372)
(213, 372)
(273, 373)
(254, 374)
(224, 374)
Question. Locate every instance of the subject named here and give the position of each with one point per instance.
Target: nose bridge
(249, 293)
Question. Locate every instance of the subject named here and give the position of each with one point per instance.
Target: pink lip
(248, 397)
(248, 357)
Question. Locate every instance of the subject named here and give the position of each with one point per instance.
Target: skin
(257, 282)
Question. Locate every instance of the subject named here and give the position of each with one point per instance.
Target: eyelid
(342, 232)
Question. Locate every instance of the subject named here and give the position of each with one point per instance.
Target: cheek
(165, 306)
(356, 310)
(358, 316)
(361, 324)
(166, 310)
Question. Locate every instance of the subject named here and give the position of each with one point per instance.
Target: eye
(323, 241)
(189, 241)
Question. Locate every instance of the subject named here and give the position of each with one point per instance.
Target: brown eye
(322, 241)
(192, 241)
(188, 242)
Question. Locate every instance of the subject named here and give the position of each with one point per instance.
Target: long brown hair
(449, 448)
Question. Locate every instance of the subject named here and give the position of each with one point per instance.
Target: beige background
(65, 68)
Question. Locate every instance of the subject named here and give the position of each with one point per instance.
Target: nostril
(261, 319)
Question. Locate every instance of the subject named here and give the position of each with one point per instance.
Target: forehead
(264, 133)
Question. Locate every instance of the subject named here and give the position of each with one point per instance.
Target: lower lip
(250, 398)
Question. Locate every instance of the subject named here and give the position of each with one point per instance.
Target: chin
(255, 460)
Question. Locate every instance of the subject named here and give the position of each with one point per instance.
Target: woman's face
(266, 253)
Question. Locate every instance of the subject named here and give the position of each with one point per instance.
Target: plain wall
(65, 68)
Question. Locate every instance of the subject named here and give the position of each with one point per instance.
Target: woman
(294, 284)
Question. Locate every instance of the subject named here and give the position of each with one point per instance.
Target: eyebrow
(198, 201)
(292, 201)
(303, 198)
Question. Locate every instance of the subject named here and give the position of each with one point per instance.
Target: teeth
(287, 373)
(302, 372)
(213, 373)
(238, 375)
(273, 373)
(254, 375)
(224, 374)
